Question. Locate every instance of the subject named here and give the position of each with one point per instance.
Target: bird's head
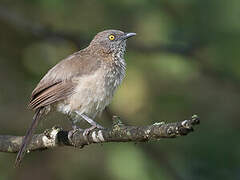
(111, 41)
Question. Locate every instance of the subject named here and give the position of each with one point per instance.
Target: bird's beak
(128, 35)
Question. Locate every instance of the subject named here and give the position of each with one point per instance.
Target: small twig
(118, 133)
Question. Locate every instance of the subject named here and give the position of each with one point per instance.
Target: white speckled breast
(94, 92)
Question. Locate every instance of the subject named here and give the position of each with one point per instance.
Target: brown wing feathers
(51, 94)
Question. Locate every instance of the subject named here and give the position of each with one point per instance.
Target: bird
(81, 85)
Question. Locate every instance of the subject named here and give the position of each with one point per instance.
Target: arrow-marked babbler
(82, 84)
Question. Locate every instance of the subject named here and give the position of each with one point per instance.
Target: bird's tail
(28, 137)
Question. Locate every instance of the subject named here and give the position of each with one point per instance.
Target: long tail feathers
(28, 137)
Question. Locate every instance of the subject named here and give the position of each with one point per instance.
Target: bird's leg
(93, 125)
(92, 122)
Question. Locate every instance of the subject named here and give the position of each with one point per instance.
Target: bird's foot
(88, 130)
(72, 132)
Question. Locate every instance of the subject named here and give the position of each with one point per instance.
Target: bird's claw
(87, 131)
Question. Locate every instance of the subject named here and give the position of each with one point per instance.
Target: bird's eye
(111, 37)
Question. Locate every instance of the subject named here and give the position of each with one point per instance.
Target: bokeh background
(183, 61)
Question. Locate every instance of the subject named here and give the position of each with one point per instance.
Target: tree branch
(118, 133)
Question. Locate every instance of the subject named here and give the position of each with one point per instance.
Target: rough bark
(117, 133)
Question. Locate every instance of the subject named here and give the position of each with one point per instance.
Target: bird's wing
(49, 95)
(57, 84)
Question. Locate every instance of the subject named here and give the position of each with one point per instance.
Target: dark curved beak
(128, 35)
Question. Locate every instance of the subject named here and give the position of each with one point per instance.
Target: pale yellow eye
(111, 37)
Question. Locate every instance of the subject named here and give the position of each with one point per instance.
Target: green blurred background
(184, 60)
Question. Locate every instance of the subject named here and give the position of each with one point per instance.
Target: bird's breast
(93, 92)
